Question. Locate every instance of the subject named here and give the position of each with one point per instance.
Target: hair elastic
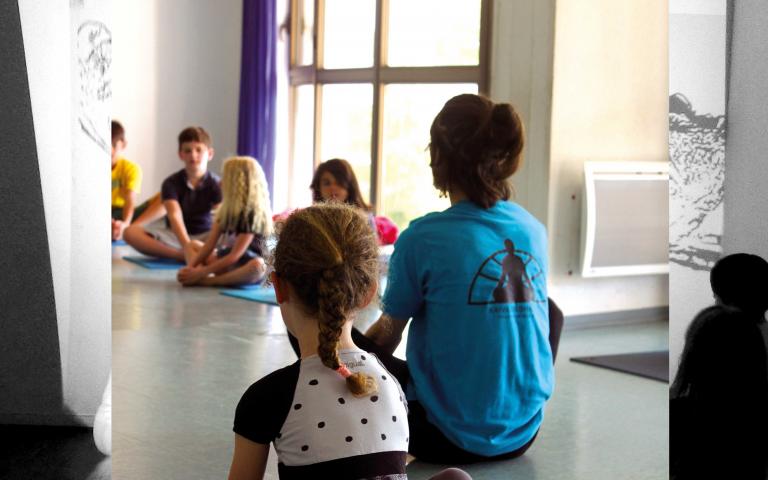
(343, 371)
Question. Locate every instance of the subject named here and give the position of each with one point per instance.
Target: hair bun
(505, 128)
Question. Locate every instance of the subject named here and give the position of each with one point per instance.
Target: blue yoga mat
(119, 243)
(154, 263)
(254, 293)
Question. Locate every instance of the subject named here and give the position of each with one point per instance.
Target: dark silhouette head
(741, 281)
(475, 146)
(509, 245)
(724, 359)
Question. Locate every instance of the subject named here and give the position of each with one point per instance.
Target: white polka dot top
(319, 429)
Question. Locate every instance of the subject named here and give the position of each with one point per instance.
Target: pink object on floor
(387, 230)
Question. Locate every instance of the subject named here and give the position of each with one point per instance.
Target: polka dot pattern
(328, 423)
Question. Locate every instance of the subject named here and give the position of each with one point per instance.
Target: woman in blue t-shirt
(472, 278)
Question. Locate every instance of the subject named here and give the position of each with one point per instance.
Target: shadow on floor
(43, 452)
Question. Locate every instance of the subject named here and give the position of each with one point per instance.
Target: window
(367, 78)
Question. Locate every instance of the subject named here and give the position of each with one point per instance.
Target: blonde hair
(329, 255)
(245, 206)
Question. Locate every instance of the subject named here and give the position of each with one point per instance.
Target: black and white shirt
(319, 429)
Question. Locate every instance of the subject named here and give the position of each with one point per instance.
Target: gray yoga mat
(654, 365)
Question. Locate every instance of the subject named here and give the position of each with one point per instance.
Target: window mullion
(377, 111)
(484, 60)
(317, 62)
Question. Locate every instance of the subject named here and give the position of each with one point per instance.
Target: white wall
(521, 74)
(176, 64)
(697, 70)
(746, 168)
(609, 102)
(589, 78)
(71, 167)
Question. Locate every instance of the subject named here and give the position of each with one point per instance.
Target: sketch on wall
(94, 58)
(697, 156)
(697, 136)
(697, 130)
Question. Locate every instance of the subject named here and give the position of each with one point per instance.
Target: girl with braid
(232, 253)
(337, 412)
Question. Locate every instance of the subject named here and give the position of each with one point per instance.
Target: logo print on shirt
(506, 276)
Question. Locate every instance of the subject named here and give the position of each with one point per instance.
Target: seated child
(188, 196)
(717, 407)
(334, 180)
(242, 224)
(337, 412)
(126, 184)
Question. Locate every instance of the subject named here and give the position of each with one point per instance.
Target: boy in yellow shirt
(126, 184)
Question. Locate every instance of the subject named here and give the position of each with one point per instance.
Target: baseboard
(620, 317)
(57, 420)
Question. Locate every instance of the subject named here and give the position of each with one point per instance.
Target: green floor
(183, 356)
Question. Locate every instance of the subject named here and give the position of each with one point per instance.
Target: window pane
(346, 129)
(433, 32)
(305, 33)
(303, 161)
(348, 33)
(409, 110)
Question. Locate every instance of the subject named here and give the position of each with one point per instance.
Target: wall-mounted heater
(625, 219)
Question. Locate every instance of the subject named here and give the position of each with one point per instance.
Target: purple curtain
(258, 85)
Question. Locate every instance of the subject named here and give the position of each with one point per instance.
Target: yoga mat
(255, 293)
(154, 263)
(653, 365)
(119, 243)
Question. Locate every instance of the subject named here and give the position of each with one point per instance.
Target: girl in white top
(336, 412)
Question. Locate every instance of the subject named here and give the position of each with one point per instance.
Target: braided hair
(329, 255)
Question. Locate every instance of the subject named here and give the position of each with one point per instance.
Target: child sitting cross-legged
(242, 224)
(188, 197)
(337, 412)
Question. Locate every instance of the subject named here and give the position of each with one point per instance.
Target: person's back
(480, 364)
(320, 428)
(473, 279)
(719, 399)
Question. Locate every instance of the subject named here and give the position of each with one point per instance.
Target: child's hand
(117, 229)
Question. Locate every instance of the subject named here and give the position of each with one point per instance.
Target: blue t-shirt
(475, 283)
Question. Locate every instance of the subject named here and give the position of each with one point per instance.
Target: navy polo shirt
(196, 204)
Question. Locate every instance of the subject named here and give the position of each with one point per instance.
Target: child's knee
(132, 233)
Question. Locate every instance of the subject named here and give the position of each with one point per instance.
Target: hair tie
(343, 371)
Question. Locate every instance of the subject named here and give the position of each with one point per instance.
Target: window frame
(379, 75)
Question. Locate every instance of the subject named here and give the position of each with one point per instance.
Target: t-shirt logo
(506, 276)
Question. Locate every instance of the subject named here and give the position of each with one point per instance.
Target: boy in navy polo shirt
(188, 196)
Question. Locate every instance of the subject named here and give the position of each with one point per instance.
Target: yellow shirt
(126, 175)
